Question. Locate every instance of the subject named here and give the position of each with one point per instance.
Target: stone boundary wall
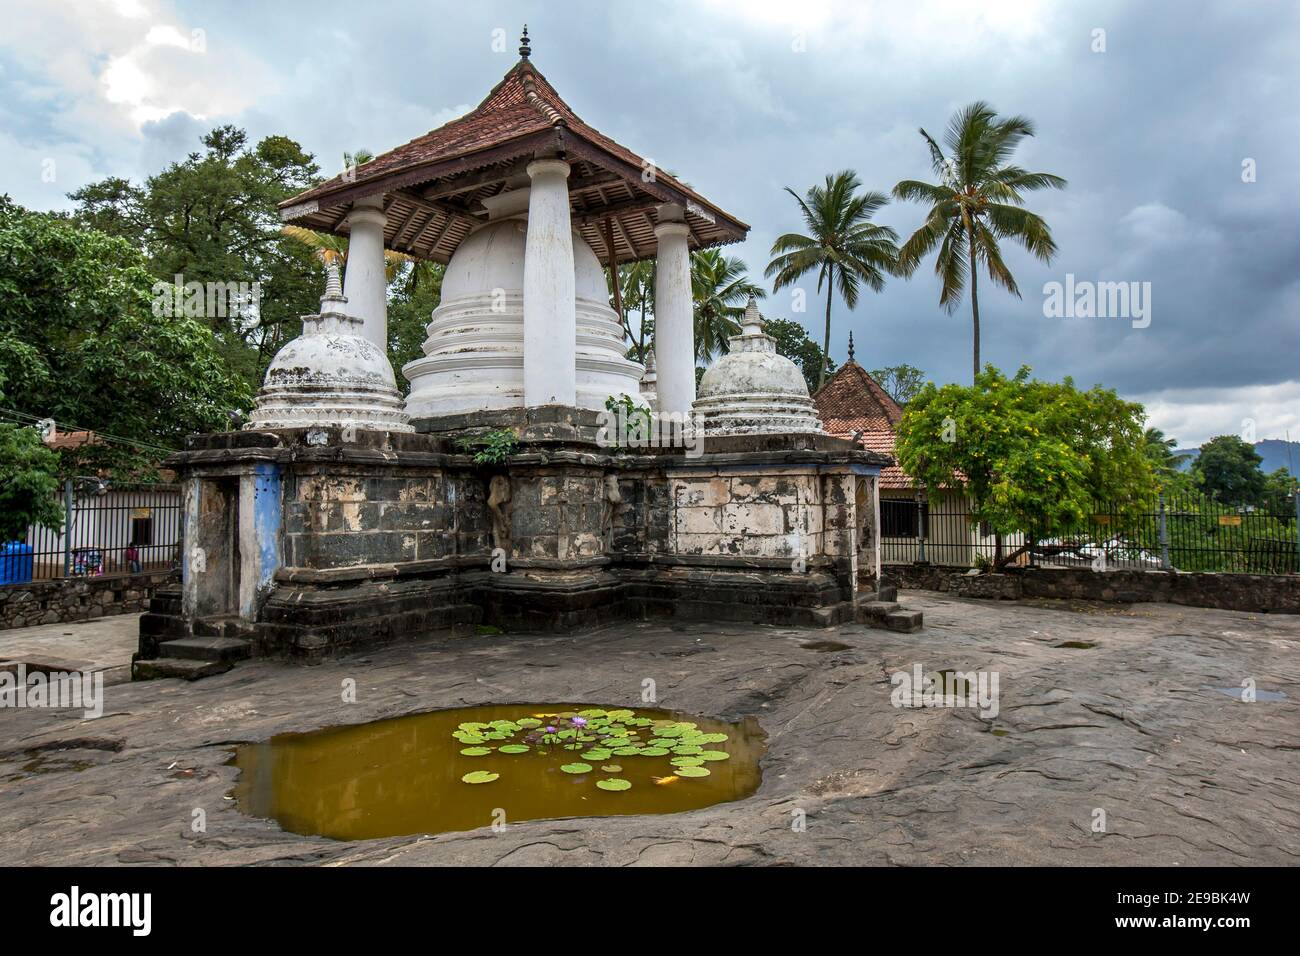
(79, 599)
(1269, 593)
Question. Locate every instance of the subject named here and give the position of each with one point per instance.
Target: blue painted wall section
(268, 511)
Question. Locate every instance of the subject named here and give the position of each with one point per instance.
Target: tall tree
(720, 287)
(1034, 456)
(842, 245)
(1160, 452)
(637, 287)
(978, 200)
(80, 343)
(29, 483)
(213, 217)
(1228, 470)
(902, 382)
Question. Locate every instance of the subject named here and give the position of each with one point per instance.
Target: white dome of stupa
(474, 354)
(330, 376)
(753, 389)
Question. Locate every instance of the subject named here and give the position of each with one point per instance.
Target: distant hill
(1272, 450)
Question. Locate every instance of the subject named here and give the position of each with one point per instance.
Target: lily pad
(528, 722)
(687, 761)
(472, 725)
(652, 751)
(576, 768)
(476, 751)
(687, 750)
(479, 776)
(597, 754)
(692, 771)
(626, 751)
(614, 783)
(711, 738)
(612, 768)
(714, 755)
(512, 749)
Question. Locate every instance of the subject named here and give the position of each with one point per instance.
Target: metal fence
(1185, 533)
(109, 528)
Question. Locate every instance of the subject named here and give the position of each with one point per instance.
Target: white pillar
(550, 309)
(674, 314)
(364, 283)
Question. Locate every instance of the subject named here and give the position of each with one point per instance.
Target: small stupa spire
(753, 323)
(850, 345)
(524, 48)
(333, 285)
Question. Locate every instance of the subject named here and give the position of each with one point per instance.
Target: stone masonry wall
(78, 599)
(761, 515)
(1274, 593)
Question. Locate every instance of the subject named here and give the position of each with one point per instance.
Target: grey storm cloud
(744, 97)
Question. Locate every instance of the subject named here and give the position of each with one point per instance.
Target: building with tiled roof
(914, 526)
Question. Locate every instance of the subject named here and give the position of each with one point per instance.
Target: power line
(22, 418)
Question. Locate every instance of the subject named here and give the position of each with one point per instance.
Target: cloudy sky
(743, 97)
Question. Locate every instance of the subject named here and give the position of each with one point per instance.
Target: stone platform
(309, 543)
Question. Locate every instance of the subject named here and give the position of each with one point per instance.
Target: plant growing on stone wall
(494, 447)
(632, 421)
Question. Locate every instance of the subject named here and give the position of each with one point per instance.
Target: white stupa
(331, 375)
(474, 354)
(753, 390)
(650, 382)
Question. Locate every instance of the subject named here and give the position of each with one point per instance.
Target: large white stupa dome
(753, 389)
(474, 353)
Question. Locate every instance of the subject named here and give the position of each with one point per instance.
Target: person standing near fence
(133, 558)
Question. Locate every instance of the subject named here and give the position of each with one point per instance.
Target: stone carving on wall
(500, 508)
(609, 503)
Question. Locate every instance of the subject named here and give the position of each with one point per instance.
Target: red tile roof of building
(852, 402)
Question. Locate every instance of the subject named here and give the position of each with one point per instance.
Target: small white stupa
(331, 375)
(753, 390)
(650, 382)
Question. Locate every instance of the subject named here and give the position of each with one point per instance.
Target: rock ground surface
(103, 644)
(1185, 774)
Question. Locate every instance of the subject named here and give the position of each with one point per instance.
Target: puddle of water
(1077, 645)
(821, 647)
(1237, 691)
(405, 775)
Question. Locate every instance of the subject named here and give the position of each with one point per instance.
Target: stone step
(905, 622)
(876, 609)
(219, 627)
(184, 668)
(207, 649)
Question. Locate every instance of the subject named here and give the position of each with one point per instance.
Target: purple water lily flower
(580, 721)
(550, 730)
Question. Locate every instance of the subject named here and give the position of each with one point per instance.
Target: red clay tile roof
(522, 114)
(852, 402)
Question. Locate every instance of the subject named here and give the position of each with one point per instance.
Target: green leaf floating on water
(687, 761)
(476, 751)
(619, 714)
(512, 749)
(626, 751)
(612, 768)
(687, 750)
(597, 754)
(479, 776)
(591, 713)
(614, 783)
(714, 755)
(652, 751)
(692, 771)
(472, 725)
(470, 738)
(711, 738)
(528, 722)
(576, 768)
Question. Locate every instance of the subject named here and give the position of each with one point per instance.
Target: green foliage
(213, 218)
(417, 292)
(842, 245)
(29, 483)
(596, 735)
(1227, 470)
(1034, 455)
(633, 422)
(902, 382)
(793, 342)
(978, 200)
(79, 343)
(494, 447)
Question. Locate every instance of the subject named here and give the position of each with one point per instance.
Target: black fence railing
(1185, 533)
(109, 528)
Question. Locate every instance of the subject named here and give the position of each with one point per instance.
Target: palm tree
(977, 201)
(720, 287)
(637, 288)
(843, 245)
(1160, 452)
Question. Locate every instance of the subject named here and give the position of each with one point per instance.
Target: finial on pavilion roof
(523, 43)
(850, 345)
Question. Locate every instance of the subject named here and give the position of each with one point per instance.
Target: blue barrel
(15, 563)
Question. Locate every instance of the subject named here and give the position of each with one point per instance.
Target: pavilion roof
(435, 184)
